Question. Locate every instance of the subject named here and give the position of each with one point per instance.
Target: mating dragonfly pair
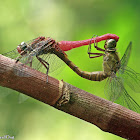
(43, 49)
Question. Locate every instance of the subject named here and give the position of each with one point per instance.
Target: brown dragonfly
(118, 74)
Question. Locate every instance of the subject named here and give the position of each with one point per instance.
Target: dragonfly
(118, 74)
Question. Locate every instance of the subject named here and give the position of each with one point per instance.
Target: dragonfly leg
(96, 45)
(89, 48)
(29, 61)
(18, 58)
(45, 64)
(99, 49)
(97, 55)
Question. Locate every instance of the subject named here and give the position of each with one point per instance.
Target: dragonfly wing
(126, 100)
(116, 92)
(131, 78)
(54, 62)
(12, 54)
(113, 88)
(126, 56)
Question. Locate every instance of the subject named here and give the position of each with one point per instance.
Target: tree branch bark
(108, 116)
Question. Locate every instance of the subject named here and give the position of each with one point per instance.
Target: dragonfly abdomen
(98, 76)
(93, 76)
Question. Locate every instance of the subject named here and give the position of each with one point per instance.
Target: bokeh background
(23, 20)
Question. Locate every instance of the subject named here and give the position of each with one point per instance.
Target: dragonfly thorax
(111, 63)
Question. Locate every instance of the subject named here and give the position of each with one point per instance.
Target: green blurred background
(63, 20)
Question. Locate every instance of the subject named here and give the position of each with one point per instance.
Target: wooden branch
(108, 116)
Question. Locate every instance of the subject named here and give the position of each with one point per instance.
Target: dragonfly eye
(21, 47)
(110, 43)
(22, 43)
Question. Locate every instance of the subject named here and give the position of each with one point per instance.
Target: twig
(108, 116)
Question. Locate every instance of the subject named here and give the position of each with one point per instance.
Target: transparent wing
(131, 78)
(12, 54)
(126, 56)
(113, 88)
(31, 41)
(54, 62)
(115, 91)
(126, 100)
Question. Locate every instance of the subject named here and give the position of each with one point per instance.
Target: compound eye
(22, 43)
(111, 43)
(21, 47)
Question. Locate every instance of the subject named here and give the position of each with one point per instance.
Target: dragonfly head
(110, 45)
(22, 48)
